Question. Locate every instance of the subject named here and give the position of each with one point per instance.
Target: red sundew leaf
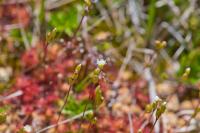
(109, 124)
(27, 109)
(41, 102)
(14, 14)
(64, 66)
(104, 86)
(27, 98)
(141, 99)
(147, 130)
(30, 58)
(22, 82)
(141, 83)
(138, 122)
(48, 71)
(51, 98)
(30, 93)
(29, 87)
(20, 13)
(23, 15)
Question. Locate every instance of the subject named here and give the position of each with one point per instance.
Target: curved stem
(153, 126)
(79, 26)
(65, 102)
(63, 122)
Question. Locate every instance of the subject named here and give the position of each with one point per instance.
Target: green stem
(153, 126)
(65, 102)
(83, 83)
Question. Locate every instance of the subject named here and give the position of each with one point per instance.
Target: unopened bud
(97, 71)
(160, 44)
(78, 68)
(186, 73)
(148, 108)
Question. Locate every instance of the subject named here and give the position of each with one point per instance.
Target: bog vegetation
(99, 66)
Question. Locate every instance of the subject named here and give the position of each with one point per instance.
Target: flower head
(27, 128)
(157, 98)
(101, 63)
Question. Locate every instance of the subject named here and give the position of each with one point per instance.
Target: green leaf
(74, 107)
(91, 118)
(65, 20)
(3, 114)
(191, 60)
(83, 84)
(151, 18)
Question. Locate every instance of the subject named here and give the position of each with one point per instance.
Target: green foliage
(3, 114)
(151, 18)
(90, 78)
(91, 118)
(104, 46)
(65, 20)
(191, 60)
(74, 107)
(16, 35)
(83, 84)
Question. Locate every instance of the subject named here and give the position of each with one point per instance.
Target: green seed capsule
(160, 44)
(78, 68)
(148, 108)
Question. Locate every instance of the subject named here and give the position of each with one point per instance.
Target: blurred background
(147, 51)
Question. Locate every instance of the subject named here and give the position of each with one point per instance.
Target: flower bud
(75, 75)
(161, 110)
(148, 108)
(51, 35)
(187, 72)
(101, 63)
(97, 71)
(88, 2)
(78, 68)
(160, 44)
(98, 96)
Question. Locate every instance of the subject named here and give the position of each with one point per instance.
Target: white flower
(28, 128)
(101, 62)
(157, 98)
